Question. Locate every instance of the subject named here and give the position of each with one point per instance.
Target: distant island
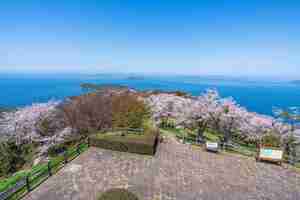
(296, 82)
(135, 78)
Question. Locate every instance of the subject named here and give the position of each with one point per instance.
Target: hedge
(133, 143)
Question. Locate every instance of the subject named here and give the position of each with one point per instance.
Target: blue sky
(236, 38)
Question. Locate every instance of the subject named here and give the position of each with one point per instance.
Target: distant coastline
(5, 109)
(256, 95)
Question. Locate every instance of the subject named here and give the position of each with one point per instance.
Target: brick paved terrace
(177, 171)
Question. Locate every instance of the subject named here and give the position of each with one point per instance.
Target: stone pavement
(177, 171)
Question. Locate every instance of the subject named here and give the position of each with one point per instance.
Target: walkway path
(176, 172)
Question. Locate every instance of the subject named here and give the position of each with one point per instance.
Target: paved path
(176, 172)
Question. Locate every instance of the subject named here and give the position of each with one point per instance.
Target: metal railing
(33, 179)
(138, 131)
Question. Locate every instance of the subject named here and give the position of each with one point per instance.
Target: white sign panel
(211, 145)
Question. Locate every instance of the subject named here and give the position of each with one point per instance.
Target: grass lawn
(190, 137)
(56, 164)
(211, 136)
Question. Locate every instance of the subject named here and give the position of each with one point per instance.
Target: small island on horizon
(135, 78)
(297, 82)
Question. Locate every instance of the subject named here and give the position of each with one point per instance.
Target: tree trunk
(227, 136)
(201, 128)
(200, 133)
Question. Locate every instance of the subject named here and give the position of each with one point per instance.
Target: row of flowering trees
(227, 117)
(223, 115)
(206, 111)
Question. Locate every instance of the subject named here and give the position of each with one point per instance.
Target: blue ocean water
(257, 95)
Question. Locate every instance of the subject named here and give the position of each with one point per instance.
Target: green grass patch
(190, 136)
(11, 181)
(212, 136)
(243, 150)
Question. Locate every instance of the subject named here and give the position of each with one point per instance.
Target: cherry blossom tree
(227, 117)
(212, 107)
(222, 115)
(23, 123)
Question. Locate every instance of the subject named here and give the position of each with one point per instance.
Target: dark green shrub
(118, 194)
(60, 148)
(57, 149)
(133, 143)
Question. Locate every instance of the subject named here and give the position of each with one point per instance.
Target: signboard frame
(212, 146)
(272, 152)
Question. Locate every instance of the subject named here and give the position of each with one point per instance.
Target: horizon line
(145, 74)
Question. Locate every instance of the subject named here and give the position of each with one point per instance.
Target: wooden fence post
(78, 149)
(292, 154)
(66, 157)
(49, 168)
(88, 141)
(28, 183)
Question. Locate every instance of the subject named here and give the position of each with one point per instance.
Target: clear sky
(238, 37)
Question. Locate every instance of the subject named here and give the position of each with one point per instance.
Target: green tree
(129, 111)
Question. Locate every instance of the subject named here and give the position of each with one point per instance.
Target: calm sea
(258, 95)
